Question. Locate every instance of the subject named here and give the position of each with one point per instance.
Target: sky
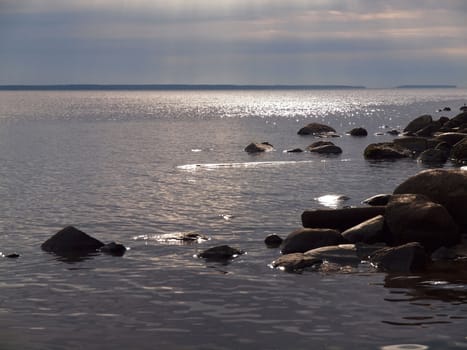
(354, 42)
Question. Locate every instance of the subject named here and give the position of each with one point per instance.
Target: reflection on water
(109, 162)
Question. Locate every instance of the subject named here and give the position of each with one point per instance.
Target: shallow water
(131, 165)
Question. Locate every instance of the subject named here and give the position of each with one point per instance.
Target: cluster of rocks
(427, 140)
(422, 219)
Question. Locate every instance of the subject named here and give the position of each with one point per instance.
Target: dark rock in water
(459, 151)
(446, 109)
(316, 129)
(414, 218)
(457, 121)
(369, 231)
(223, 252)
(302, 240)
(71, 241)
(413, 144)
(12, 256)
(358, 132)
(410, 257)
(295, 150)
(385, 150)
(342, 254)
(113, 248)
(433, 156)
(451, 138)
(379, 199)
(327, 149)
(429, 130)
(446, 187)
(339, 219)
(393, 132)
(255, 147)
(273, 241)
(294, 262)
(180, 237)
(319, 144)
(419, 123)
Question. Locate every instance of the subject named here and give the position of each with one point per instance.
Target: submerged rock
(342, 254)
(304, 239)
(326, 149)
(115, 249)
(316, 129)
(255, 147)
(410, 257)
(294, 150)
(223, 252)
(358, 132)
(273, 241)
(294, 262)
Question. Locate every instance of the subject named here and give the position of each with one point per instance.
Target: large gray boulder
(339, 219)
(369, 231)
(316, 129)
(70, 240)
(446, 187)
(304, 239)
(407, 258)
(414, 218)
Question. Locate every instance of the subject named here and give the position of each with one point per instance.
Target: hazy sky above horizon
(356, 42)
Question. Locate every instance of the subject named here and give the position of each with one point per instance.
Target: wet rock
(319, 144)
(407, 258)
(327, 149)
(385, 150)
(342, 254)
(459, 151)
(223, 252)
(304, 239)
(446, 187)
(12, 256)
(339, 219)
(369, 231)
(414, 218)
(115, 249)
(273, 241)
(295, 150)
(179, 237)
(451, 138)
(419, 123)
(433, 156)
(70, 240)
(379, 199)
(413, 144)
(316, 129)
(456, 122)
(358, 132)
(255, 147)
(393, 132)
(429, 130)
(294, 262)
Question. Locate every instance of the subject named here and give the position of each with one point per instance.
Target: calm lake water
(118, 165)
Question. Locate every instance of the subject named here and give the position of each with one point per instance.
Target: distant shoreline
(427, 87)
(159, 87)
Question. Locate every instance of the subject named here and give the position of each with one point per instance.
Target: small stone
(114, 249)
(358, 132)
(223, 252)
(273, 241)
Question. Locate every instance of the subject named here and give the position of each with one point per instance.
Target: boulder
(414, 218)
(433, 156)
(379, 199)
(70, 240)
(358, 132)
(327, 149)
(369, 231)
(342, 254)
(339, 219)
(273, 241)
(459, 151)
(446, 187)
(412, 143)
(429, 130)
(385, 150)
(221, 253)
(457, 121)
(451, 137)
(255, 147)
(304, 239)
(419, 123)
(294, 262)
(316, 129)
(407, 258)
